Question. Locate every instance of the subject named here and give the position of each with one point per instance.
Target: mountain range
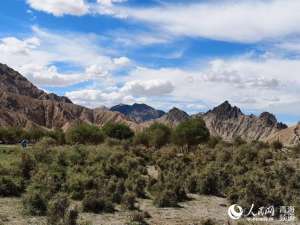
(23, 104)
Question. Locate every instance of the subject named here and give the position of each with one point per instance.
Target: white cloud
(255, 84)
(76, 7)
(130, 92)
(290, 46)
(241, 21)
(12, 45)
(148, 87)
(95, 98)
(122, 61)
(60, 7)
(36, 57)
(224, 72)
(110, 2)
(49, 75)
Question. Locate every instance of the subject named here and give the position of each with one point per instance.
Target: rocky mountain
(174, 117)
(13, 82)
(23, 104)
(138, 112)
(228, 122)
(288, 136)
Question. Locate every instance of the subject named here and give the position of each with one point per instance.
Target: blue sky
(189, 54)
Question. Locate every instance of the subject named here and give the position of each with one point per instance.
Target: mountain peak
(270, 120)
(13, 82)
(138, 112)
(176, 114)
(226, 110)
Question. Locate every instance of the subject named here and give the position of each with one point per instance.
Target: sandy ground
(189, 213)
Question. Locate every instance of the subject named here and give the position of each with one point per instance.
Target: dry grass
(189, 213)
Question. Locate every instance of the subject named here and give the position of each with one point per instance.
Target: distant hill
(23, 104)
(138, 112)
(228, 122)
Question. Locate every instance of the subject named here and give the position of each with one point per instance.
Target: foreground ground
(108, 160)
(191, 212)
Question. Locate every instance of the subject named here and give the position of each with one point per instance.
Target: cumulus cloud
(76, 7)
(92, 98)
(50, 76)
(241, 21)
(148, 87)
(36, 58)
(12, 45)
(122, 61)
(222, 72)
(110, 2)
(60, 7)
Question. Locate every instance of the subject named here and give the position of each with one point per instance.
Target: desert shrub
(158, 135)
(34, 134)
(35, 202)
(84, 134)
(26, 166)
(128, 201)
(136, 184)
(46, 142)
(165, 198)
(76, 183)
(209, 182)
(57, 209)
(137, 218)
(92, 202)
(191, 132)
(208, 222)
(297, 207)
(10, 186)
(118, 131)
(141, 138)
(213, 141)
(71, 217)
(277, 145)
(58, 135)
(12, 135)
(239, 141)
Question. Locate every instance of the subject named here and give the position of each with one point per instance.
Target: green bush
(158, 135)
(277, 145)
(128, 201)
(57, 209)
(141, 138)
(137, 218)
(58, 135)
(118, 131)
(84, 134)
(35, 203)
(12, 135)
(208, 222)
(71, 217)
(10, 186)
(92, 202)
(165, 198)
(191, 132)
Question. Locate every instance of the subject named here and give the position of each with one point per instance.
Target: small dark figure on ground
(24, 143)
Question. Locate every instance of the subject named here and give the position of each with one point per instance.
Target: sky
(190, 54)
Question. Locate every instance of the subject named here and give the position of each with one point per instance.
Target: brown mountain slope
(18, 110)
(23, 104)
(13, 82)
(171, 119)
(289, 136)
(229, 122)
